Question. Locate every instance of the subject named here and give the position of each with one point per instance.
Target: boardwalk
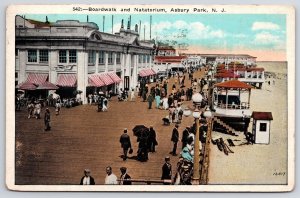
(83, 138)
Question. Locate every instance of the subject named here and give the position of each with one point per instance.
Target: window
(101, 58)
(263, 127)
(16, 75)
(118, 58)
(92, 57)
(62, 56)
(110, 58)
(16, 52)
(148, 58)
(32, 56)
(43, 56)
(72, 56)
(65, 55)
(140, 58)
(144, 58)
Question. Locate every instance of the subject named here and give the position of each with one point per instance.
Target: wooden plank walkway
(83, 138)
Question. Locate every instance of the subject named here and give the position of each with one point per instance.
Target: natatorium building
(76, 56)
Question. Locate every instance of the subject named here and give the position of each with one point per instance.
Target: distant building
(244, 59)
(76, 55)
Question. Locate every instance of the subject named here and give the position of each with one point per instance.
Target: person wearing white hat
(87, 179)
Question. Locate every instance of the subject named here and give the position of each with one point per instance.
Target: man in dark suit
(174, 139)
(125, 143)
(87, 179)
(166, 170)
(125, 178)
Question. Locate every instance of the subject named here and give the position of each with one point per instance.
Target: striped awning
(95, 81)
(153, 72)
(36, 78)
(146, 72)
(66, 80)
(47, 86)
(104, 77)
(114, 77)
(27, 86)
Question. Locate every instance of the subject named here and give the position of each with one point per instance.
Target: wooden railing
(148, 181)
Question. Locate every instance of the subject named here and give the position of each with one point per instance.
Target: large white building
(76, 55)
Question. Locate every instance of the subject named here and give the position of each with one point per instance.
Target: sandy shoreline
(258, 163)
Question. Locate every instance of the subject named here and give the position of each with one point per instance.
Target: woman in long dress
(165, 103)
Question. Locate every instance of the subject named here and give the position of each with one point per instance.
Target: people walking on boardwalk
(37, 110)
(30, 108)
(152, 139)
(143, 148)
(104, 104)
(110, 177)
(172, 113)
(125, 143)
(132, 95)
(174, 139)
(166, 170)
(57, 106)
(150, 100)
(184, 137)
(47, 120)
(157, 96)
(87, 179)
(165, 103)
(124, 178)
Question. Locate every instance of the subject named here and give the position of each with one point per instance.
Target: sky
(260, 35)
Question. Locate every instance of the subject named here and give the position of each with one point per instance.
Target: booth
(261, 127)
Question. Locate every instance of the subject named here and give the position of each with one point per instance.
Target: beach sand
(258, 163)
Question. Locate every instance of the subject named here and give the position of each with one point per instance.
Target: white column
(106, 61)
(97, 62)
(22, 65)
(53, 61)
(134, 75)
(82, 73)
(123, 63)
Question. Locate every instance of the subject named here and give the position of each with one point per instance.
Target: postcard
(175, 98)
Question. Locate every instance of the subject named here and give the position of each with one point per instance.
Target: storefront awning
(95, 81)
(27, 86)
(114, 77)
(106, 78)
(36, 78)
(66, 80)
(47, 86)
(146, 72)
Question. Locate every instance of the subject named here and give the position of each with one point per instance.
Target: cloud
(264, 26)
(265, 38)
(182, 30)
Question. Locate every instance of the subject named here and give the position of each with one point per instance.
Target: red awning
(95, 81)
(146, 72)
(114, 77)
(143, 73)
(27, 86)
(47, 86)
(36, 78)
(66, 80)
(152, 71)
(233, 84)
(105, 78)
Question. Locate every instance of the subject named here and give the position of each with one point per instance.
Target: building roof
(39, 24)
(224, 55)
(262, 115)
(234, 84)
(169, 58)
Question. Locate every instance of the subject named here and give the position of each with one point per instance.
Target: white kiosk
(261, 127)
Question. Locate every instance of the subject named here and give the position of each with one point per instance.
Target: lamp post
(209, 116)
(197, 99)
